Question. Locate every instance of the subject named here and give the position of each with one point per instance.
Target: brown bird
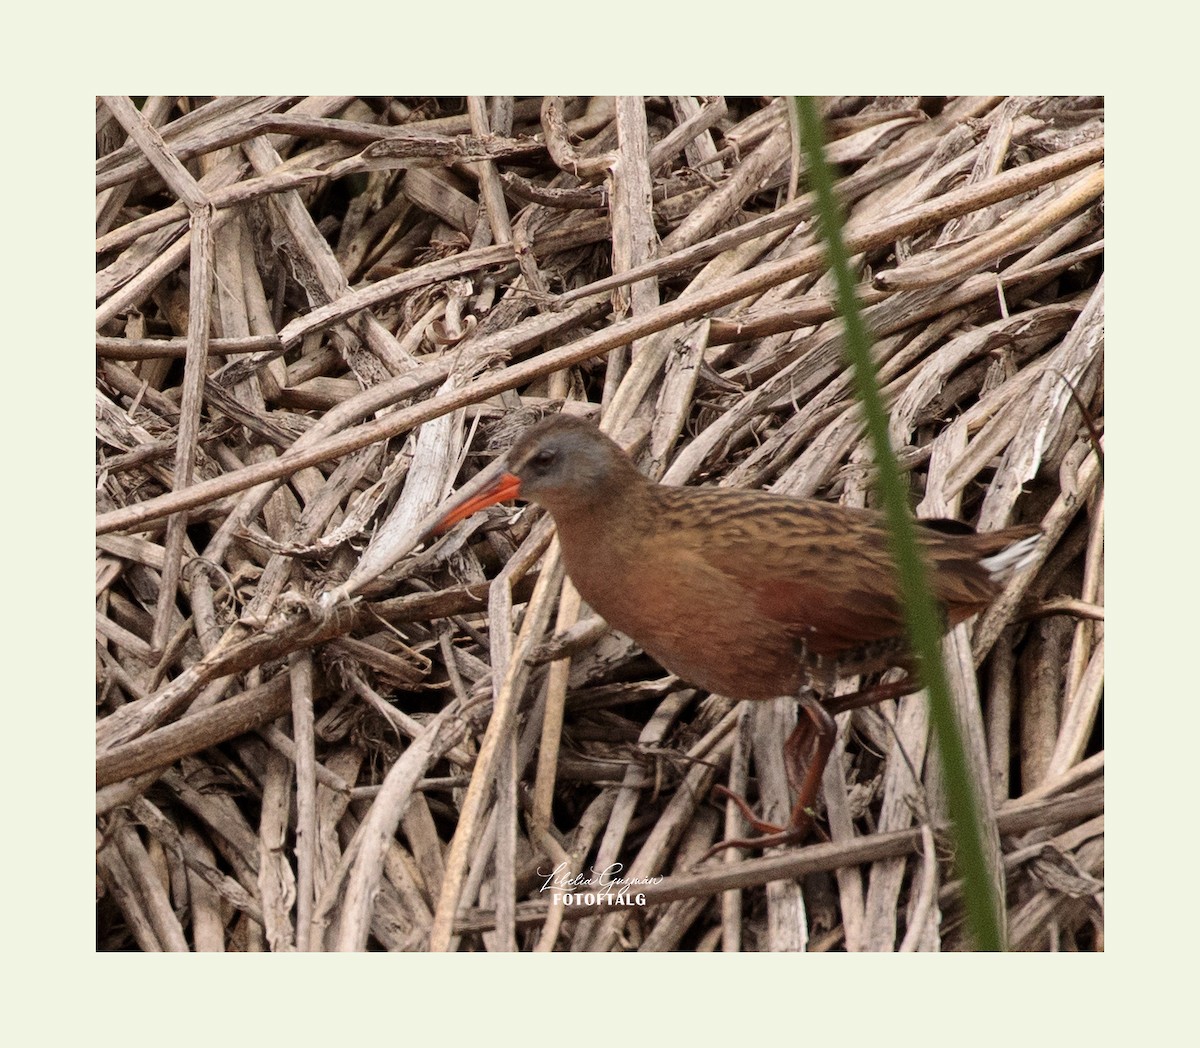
(745, 593)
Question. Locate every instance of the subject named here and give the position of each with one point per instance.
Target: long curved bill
(500, 489)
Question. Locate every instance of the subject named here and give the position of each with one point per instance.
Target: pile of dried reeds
(316, 316)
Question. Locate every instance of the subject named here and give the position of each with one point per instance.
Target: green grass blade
(921, 612)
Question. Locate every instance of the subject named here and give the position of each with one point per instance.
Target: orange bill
(506, 486)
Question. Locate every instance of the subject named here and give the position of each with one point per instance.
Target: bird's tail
(1012, 558)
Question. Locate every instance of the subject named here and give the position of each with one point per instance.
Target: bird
(745, 593)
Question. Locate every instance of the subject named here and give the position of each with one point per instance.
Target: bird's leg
(805, 755)
(804, 773)
(897, 689)
(814, 732)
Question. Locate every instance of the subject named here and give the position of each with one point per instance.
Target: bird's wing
(827, 579)
(829, 621)
(826, 572)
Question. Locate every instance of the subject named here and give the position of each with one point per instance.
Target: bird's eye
(543, 458)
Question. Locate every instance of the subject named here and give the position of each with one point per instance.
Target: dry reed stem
(371, 270)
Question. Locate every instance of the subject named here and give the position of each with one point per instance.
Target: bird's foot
(755, 822)
(798, 827)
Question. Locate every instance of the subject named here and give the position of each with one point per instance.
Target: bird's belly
(728, 669)
(711, 643)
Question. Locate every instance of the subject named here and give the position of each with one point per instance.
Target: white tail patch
(1011, 559)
